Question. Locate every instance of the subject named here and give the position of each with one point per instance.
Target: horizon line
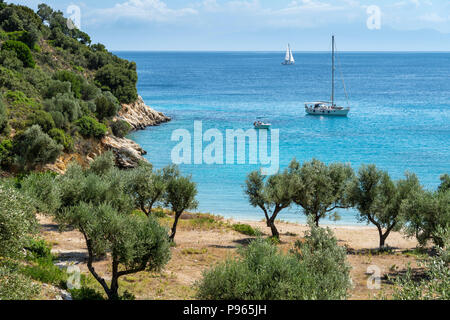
(298, 51)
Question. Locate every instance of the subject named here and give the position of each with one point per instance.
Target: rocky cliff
(140, 116)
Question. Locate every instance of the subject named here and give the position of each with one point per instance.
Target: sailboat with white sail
(289, 58)
(323, 108)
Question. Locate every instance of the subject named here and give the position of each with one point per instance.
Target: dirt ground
(197, 249)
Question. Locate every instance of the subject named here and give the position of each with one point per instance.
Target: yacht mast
(332, 73)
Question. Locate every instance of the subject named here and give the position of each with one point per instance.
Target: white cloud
(147, 10)
(432, 17)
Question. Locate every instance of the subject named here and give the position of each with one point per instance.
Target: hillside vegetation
(57, 89)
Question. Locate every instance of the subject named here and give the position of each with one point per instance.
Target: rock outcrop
(140, 116)
(128, 153)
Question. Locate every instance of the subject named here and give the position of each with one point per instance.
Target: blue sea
(399, 119)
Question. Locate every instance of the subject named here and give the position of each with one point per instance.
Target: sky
(261, 25)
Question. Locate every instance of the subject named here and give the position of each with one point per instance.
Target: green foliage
(146, 187)
(445, 183)
(90, 128)
(6, 153)
(120, 80)
(436, 282)
(85, 293)
(44, 190)
(10, 60)
(43, 270)
(76, 81)
(15, 286)
(320, 253)
(379, 199)
(180, 196)
(271, 196)
(106, 105)
(55, 87)
(17, 221)
(3, 116)
(264, 273)
(22, 51)
(42, 119)
(34, 147)
(39, 249)
(246, 229)
(120, 128)
(89, 91)
(64, 109)
(60, 137)
(320, 189)
(426, 214)
(135, 244)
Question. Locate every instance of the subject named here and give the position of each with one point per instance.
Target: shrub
(436, 282)
(22, 51)
(3, 116)
(15, 286)
(39, 249)
(6, 153)
(43, 119)
(120, 81)
(85, 293)
(10, 60)
(246, 229)
(264, 273)
(75, 81)
(321, 255)
(62, 138)
(43, 189)
(55, 87)
(64, 109)
(90, 127)
(89, 91)
(120, 128)
(17, 221)
(106, 105)
(34, 147)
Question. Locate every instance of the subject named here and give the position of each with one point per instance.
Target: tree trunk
(114, 288)
(382, 237)
(174, 227)
(316, 220)
(274, 230)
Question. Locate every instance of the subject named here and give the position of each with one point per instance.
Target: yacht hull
(326, 112)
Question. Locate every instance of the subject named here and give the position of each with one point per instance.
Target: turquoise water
(400, 117)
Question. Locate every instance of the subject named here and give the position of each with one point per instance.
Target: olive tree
(146, 187)
(134, 243)
(321, 189)
(271, 195)
(379, 199)
(428, 215)
(180, 196)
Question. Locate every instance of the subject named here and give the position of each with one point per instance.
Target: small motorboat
(261, 125)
